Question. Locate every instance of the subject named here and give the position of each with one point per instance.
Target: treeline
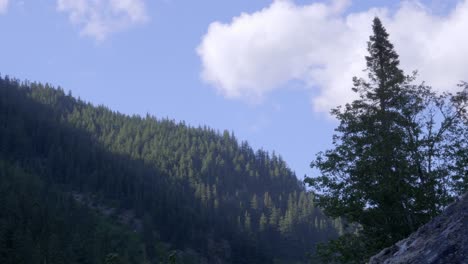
(194, 190)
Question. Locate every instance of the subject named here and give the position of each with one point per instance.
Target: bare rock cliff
(443, 240)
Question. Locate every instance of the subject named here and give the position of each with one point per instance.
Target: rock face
(443, 240)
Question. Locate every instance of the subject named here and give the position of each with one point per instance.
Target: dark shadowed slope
(194, 190)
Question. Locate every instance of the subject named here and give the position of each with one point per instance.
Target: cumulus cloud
(3, 6)
(100, 18)
(322, 46)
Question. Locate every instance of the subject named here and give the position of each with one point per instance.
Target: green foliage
(348, 248)
(39, 224)
(193, 190)
(263, 222)
(399, 154)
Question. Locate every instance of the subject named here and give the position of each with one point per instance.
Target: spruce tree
(393, 165)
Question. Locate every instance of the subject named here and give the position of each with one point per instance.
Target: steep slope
(195, 189)
(443, 240)
(39, 224)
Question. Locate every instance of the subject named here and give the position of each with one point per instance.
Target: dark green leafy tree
(399, 156)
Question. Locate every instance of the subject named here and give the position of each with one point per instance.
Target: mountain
(442, 240)
(39, 224)
(92, 185)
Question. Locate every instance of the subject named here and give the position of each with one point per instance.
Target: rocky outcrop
(443, 240)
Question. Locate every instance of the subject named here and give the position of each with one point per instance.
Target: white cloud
(3, 6)
(324, 47)
(100, 18)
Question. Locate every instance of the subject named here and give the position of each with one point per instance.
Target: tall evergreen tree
(394, 161)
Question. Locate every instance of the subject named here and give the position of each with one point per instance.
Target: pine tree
(254, 202)
(274, 216)
(391, 168)
(247, 222)
(262, 222)
(267, 200)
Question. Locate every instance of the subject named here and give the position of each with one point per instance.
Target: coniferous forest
(84, 184)
(81, 183)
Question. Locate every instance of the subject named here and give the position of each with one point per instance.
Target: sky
(270, 71)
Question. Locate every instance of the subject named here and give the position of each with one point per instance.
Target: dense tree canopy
(193, 190)
(40, 225)
(399, 156)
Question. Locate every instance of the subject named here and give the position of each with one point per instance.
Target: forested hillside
(39, 224)
(193, 193)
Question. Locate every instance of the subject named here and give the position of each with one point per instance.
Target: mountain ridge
(193, 188)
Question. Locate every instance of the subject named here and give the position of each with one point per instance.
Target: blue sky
(269, 75)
